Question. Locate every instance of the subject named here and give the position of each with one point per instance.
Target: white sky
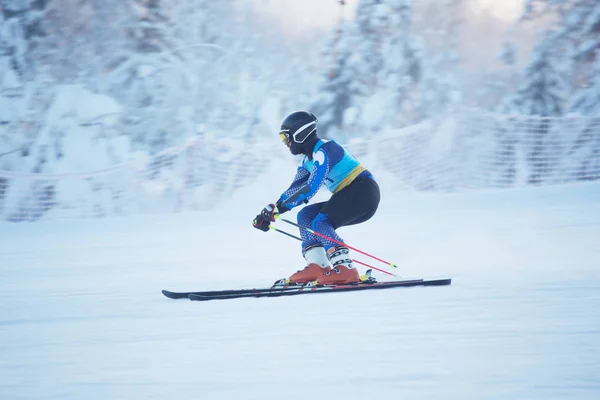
(323, 13)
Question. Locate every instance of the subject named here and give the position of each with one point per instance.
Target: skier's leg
(354, 204)
(316, 258)
(338, 255)
(305, 217)
(322, 224)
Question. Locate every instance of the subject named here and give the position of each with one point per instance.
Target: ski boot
(317, 265)
(343, 271)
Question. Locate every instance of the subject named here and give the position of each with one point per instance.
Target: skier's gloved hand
(264, 219)
(268, 213)
(261, 223)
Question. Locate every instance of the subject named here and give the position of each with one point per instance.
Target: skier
(355, 198)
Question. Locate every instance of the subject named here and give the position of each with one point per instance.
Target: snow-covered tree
(574, 33)
(544, 89)
(196, 61)
(355, 73)
(337, 89)
(402, 70)
(19, 22)
(500, 82)
(586, 149)
(587, 59)
(542, 93)
(137, 75)
(376, 61)
(440, 84)
(368, 56)
(13, 68)
(12, 114)
(558, 79)
(77, 135)
(587, 99)
(45, 43)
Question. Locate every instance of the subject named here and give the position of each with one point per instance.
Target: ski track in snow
(82, 316)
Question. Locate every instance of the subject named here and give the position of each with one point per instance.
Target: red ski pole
(392, 265)
(356, 261)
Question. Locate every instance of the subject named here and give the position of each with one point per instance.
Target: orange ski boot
(317, 265)
(343, 271)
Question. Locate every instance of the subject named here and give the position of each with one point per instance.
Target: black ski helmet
(299, 132)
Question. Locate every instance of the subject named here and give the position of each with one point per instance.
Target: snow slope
(82, 316)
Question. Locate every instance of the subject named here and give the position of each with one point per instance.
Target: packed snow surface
(82, 316)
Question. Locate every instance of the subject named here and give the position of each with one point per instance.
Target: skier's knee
(320, 223)
(303, 217)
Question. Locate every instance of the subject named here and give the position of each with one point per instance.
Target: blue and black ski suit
(355, 193)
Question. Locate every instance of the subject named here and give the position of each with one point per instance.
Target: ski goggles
(285, 138)
(300, 135)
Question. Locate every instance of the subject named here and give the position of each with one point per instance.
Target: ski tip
(173, 295)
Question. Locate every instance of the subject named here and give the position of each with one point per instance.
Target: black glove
(264, 219)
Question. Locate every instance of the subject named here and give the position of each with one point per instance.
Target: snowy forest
(88, 85)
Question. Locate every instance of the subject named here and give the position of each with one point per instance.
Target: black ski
(291, 291)
(184, 295)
